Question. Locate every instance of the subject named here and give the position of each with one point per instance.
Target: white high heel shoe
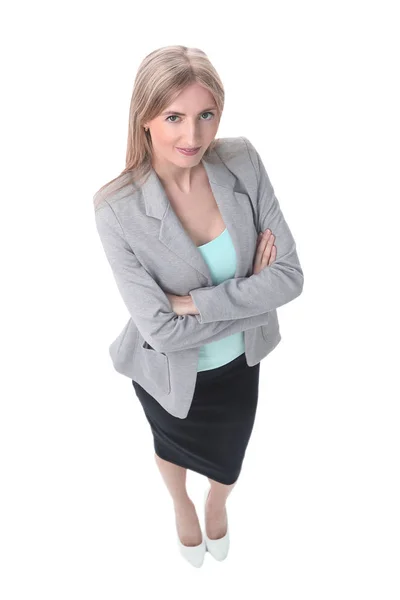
(217, 548)
(193, 554)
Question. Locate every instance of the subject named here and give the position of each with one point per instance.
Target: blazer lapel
(232, 205)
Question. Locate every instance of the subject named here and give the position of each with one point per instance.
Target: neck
(177, 178)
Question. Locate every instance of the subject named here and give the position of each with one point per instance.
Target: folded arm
(275, 285)
(147, 303)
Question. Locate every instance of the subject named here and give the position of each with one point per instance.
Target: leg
(175, 480)
(219, 493)
(187, 522)
(215, 510)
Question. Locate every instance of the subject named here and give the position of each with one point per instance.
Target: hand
(265, 251)
(181, 305)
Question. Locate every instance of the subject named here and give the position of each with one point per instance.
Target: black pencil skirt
(213, 438)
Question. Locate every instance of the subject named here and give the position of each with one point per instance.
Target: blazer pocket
(153, 368)
(271, 328)
(264, 331)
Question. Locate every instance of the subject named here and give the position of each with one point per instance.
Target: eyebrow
(175, 112)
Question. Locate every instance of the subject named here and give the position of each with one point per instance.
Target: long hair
(162, 75)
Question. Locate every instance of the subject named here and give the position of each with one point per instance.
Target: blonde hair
(162, 75)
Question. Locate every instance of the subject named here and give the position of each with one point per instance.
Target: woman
(175, 111)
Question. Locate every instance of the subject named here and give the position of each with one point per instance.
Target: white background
(84, 511)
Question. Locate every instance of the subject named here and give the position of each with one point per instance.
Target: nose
(191, 138)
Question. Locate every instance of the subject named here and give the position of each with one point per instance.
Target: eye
(207, 112)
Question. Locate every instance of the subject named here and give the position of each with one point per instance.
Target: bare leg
(215, 511)
(186, 519)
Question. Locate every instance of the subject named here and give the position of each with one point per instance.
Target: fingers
(273, 255)
(266, 250)
(265, 240)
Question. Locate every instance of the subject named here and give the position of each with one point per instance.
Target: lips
(188, 151)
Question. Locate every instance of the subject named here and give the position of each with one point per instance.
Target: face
(196, 127)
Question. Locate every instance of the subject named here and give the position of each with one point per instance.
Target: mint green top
(220, 256)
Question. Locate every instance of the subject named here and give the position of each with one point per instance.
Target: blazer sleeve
(276, 284)
(146, 302)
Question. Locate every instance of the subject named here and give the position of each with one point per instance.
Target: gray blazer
(150, 253)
